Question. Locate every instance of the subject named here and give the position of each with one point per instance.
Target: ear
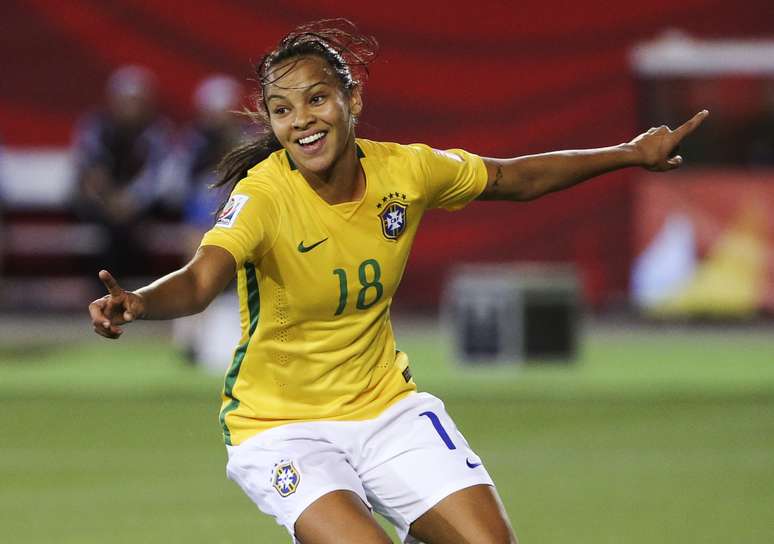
(355, 101)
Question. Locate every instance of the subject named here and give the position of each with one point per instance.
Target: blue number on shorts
(439, 429)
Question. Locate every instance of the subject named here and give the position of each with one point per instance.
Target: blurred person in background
(321, 417)
(189, 175)
(190, 171)
(118, 151)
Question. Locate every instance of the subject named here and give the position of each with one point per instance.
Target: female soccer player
(320, 415)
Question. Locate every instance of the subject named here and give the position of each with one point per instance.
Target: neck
(344, 181)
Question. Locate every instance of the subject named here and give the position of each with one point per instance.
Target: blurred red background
(496, 78)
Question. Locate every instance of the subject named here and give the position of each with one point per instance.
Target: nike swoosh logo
(303, 249)
(471, 465)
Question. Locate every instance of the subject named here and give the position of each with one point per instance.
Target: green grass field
(649, 437)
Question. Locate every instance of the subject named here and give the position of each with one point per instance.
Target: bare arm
(532, 176)
(184, 292)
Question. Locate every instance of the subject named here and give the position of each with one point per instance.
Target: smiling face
(311, 114)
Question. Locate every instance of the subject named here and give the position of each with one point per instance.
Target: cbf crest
(393, 216)
(286, 478)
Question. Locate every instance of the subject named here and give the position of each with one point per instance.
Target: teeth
(312, 138)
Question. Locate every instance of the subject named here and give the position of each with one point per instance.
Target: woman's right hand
(116, 308)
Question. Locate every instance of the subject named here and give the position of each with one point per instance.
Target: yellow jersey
(315, 284)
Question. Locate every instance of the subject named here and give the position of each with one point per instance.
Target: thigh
(473, 515)
(288, 470)
(417, 458)
(339, 517)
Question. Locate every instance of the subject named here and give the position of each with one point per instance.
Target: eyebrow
(304, 89)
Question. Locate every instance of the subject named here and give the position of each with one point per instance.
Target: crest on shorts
(286, 478)
(393, 215)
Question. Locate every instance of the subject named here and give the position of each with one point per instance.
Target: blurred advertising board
(704, 244)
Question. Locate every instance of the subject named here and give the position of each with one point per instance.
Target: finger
(675, 161)
(107, 333)
(97, 312)
(103, 324)
(112, 331)
(134, 307)
(101, 331)
(690, 125)
(110, 283)
(674, 152)
(129, 309)
(102, 317)
(106, 311)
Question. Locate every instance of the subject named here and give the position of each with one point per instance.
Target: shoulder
(265, 184)
(406, 158)
(275, 166)
(257, 184)
(89, 125)
(387, 150)
(417, 152)
(253, 200)
(268, 176)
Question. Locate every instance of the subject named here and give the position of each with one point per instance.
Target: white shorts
(401, 463)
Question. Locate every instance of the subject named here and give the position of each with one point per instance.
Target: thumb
(134, 307)
(110, 283)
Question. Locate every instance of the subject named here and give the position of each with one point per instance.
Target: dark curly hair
(337, 42)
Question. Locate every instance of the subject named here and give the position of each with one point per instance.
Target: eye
(279, 110)
(317, 99)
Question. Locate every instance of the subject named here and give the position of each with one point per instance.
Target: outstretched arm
(532, 176)
(183, 292)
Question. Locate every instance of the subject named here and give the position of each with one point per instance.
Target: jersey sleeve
(453, 177)
(248, 225)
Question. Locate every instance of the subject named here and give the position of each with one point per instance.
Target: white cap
(131, 80)
(218, 93)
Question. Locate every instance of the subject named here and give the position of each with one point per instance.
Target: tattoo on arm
(496, 181)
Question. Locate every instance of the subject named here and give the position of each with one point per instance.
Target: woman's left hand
(657, 148)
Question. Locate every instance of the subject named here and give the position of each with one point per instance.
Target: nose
(303, 118)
